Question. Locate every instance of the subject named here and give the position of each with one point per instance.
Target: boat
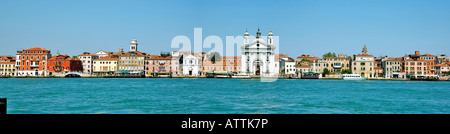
(223, 74)
(241, 76)
(353, 77)
(310, 76)
(424, 77)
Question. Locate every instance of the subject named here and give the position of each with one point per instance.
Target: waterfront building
(442, 59)
(228, 64)
(191, 65)
(378, 72)
(281, 61)
(232, 63)
(87, 61)
(7, 65)
(302, 67)
(443, 68)
(258, 57)
(32, 62)
(431, 63)
(337, 64)
(107, 65)
(317, 66)
(132, 61)
(156, 65)
(363, 64)
(419, 65)
(289, 68)
(177, 61)
(64, 63)
(392, 67)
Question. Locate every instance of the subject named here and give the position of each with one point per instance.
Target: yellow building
(337, 64)
(364, 64)
(106, 65)
(132, 61)
(7, 66)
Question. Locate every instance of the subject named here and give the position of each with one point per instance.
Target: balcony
(337, 67)
(34, 65)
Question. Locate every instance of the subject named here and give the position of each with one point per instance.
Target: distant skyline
(313, 27)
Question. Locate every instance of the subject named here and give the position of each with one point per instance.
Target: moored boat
(310, 76)
(241, 76)
(353, 77)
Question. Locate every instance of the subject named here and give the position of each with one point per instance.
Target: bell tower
(133, 45)
(270, 38)
(364, 51)
(246, 39)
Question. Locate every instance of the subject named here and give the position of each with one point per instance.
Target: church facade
(258, 56)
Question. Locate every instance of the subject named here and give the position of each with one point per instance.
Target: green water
(222, 96)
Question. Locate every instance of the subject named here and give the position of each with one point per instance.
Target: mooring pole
(2, 106)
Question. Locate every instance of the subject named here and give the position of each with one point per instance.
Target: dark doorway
(258, 69)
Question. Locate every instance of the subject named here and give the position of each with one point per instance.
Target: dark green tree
(346, 71)
(329, 54)
(305, 60)
(215, 56)
(325, 71)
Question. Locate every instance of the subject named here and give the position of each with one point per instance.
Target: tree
(305, 60)
(74, 57)
(215, 56)
(346, 71)
(325, 71)
(329, 54)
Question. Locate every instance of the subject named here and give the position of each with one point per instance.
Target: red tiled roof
(137, 53)
(364, 55)
(282, 55)
(110, 57)
(158, 57)
(37, 48)
(393, 59)
(427, 54)
(442, 65)
(7, 58)
(306, 56)
(87, 54)
(7, 62)
(336, 58)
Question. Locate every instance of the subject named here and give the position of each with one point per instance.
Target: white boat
(353, 77)
(241, 76)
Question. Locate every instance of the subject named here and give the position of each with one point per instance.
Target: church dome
(258, 40)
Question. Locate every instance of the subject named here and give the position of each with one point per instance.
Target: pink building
(229, 64)
(87, 61)
(415, 65)
(159, 65)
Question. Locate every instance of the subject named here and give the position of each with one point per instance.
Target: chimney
(340, 55)
(417, 53)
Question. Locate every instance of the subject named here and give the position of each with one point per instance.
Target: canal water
(222, 96)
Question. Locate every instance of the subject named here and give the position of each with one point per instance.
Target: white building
(190, 65)
(258, 57)
(102, 53)
(289, 67)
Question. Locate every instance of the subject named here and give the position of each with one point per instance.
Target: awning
(124, 71)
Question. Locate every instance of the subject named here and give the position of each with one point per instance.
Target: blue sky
(387, 27)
